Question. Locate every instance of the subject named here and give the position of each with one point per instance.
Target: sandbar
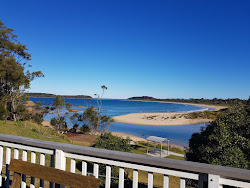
(164, 118)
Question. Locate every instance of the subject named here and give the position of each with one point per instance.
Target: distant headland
(49, 95)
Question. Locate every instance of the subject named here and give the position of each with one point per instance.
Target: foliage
(14, 76)
(3, 111)
(22, 112)
(53, 121)
(214, 101)
(225, 141)
(58, 105)
(69, 106)
(95, 121)
(38, 106)
(37, 118)
(111, 142)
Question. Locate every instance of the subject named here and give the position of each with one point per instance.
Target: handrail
(186, 166)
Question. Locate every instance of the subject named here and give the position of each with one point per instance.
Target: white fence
(213, 176)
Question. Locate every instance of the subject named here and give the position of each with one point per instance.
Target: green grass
(175, 157)
(32, 130)
(158, 146)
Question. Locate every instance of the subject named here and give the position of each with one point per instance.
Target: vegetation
(48, 95)
(111, 142)
(32, 130)
(225, 141)
(58, 105)
(14, 74)
(214, 101)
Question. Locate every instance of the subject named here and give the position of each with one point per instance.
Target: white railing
(214, 176)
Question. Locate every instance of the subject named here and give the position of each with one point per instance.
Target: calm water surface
(177, 134)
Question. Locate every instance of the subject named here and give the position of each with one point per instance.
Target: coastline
(165, 118)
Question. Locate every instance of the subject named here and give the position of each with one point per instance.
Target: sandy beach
(164, 118)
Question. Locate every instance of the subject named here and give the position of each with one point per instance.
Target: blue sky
(164, 49)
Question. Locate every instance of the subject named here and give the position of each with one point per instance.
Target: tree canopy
(14, 74)
(225, 141)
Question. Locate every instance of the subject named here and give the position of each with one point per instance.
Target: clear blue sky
(164, 49)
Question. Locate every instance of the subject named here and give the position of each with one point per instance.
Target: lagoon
(177, 134)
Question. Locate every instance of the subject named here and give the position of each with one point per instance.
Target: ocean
(177, 134)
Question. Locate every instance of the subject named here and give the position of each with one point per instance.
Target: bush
(37, 118)
(111, 142)
(53, 122)
(225, 141)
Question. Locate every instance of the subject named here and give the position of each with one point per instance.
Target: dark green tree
(14, 76)
(225, 141)
(3, 111)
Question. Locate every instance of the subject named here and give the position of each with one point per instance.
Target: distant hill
(214, 101)
(48, 95)
(142, 98)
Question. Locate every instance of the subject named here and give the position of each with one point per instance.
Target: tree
(248, 101)
(13, 77)
(3, 111)
(69, 106)
(58, 104)
(99, 103)
(225, 141)
(38, 106)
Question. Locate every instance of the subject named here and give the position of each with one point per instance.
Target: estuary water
(177, 134)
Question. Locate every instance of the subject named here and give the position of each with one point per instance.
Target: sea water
(177, 134)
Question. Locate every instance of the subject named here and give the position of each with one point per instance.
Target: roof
(156, 139)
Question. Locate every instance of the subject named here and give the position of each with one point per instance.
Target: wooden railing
(209, 175)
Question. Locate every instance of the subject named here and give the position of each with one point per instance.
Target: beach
(164, 118)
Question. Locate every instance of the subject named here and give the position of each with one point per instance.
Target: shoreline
(165, 118)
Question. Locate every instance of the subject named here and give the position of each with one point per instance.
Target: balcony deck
(205, 174)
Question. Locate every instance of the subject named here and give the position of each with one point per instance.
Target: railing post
(24, 158)
(60, 161)
(42, 162)
(182, 183)
(108, 176)
(121, 177)
(150, 179)
(213, 181)
(135, 178)
(165, 181)
(8, 157)
(1, 164)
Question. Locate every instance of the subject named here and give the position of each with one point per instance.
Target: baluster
(182, 183)
(8, 157)
(33, 160)
(60, 163)
(135, 179)
(16, 153)
(150, 180)
(42, 162)
(165, 181)
(52, 164)
(84, 168)
(108, 176)
(24, 158)
(121, 177)
(1, 164)
(96, 170)
(73, 166)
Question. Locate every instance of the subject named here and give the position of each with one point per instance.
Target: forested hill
(48, 95)
(214, 101)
